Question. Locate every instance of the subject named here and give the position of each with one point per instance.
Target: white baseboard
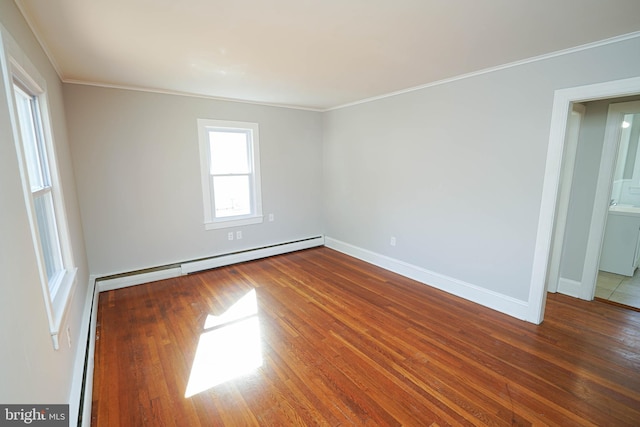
(569, 287)
(88, 381)
(494, 300)
(78, 381)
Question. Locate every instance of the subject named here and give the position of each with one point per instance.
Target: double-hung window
(43, 196)
(230, 169)
(40, 184)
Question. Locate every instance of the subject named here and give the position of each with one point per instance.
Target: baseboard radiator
(139, 277)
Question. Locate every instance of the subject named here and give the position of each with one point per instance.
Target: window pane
(232, 196)
(45, 218)
(229, 152)
(32, 145)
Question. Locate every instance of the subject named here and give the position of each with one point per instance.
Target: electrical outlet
(230, 235)
(271, 217)
(392, 242)
(239, 234)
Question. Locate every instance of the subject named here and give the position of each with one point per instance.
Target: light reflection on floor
(229, 347)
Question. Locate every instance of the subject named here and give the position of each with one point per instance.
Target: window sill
(60, 304)
(233, 223)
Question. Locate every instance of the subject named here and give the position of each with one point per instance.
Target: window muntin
(230, 165)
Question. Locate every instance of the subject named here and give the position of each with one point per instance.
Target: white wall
(455, 171)
(31, 371)
(137, 166)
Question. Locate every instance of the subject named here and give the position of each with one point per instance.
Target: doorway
(620, 251)
(554, 181)
(583, 204)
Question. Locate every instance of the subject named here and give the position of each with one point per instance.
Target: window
(40, 184)
(43, 196)
(230, 168)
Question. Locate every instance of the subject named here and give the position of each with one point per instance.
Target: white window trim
(210, 221)
(14, 64)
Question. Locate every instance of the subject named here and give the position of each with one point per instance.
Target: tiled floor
(621, 289)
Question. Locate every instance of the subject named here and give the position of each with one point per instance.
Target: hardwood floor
(330, 340)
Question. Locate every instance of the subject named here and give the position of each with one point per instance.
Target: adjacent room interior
(451, 193)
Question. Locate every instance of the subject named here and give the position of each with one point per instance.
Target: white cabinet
(621, 246)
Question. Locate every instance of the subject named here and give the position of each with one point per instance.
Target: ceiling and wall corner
(461, 201)
(456, 172)
(32, 370)
(314, 55)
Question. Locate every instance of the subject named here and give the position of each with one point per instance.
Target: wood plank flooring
(333, 341)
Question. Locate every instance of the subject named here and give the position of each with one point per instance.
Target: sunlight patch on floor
(229, 347)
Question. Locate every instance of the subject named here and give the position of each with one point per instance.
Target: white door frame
(564, 191)
(562, 102)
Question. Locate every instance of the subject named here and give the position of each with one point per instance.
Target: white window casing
(35, 148)
(230, 173)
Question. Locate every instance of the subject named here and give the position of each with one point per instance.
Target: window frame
(18, 70)
(211, 222)
(42, 194)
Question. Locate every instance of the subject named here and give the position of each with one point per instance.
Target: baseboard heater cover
(175, 270)
(249, 255)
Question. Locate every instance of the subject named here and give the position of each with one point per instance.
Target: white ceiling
(314, 54)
